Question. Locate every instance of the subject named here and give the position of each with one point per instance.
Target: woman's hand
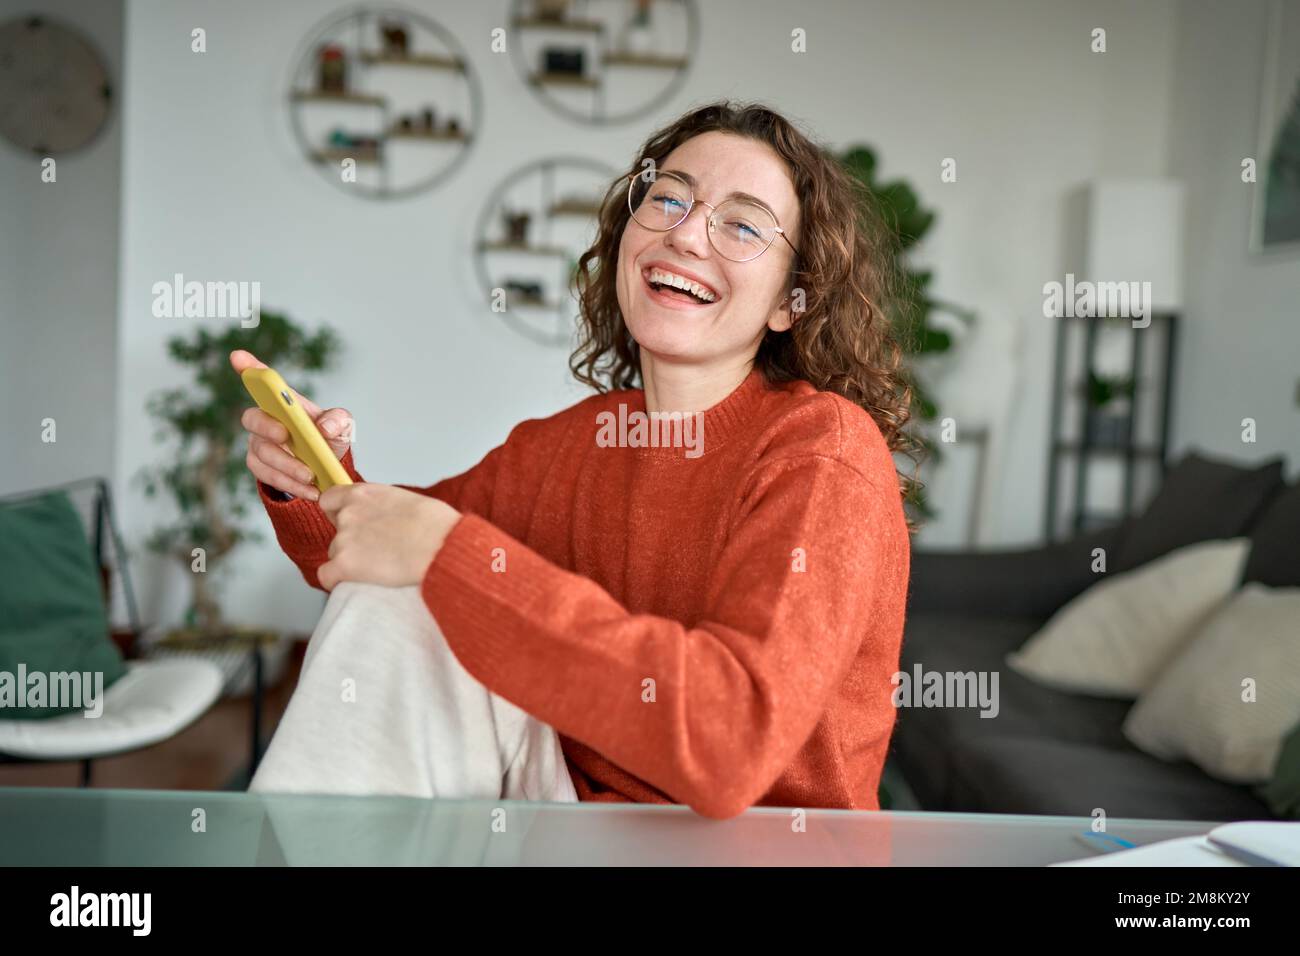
(385, 535)
(269, 457)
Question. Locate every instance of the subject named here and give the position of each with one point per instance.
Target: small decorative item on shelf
(577, 204)
(562, 61)
(428, 124)
(1109, 401)
(332, 75)
(551, 10)
(637, 36)
(394, 35)
(405, 124)
(453, 126)
(516, 227)
(340, 139)
(524, 293)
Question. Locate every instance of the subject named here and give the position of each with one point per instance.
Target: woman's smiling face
(749, 295)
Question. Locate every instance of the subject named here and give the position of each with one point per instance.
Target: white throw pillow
(1196, 711)
(1114, 638)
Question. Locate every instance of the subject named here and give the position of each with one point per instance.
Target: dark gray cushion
(1200, 499)
(1009, 582)
(1007, 774)
(1275, 543)
(927, 739)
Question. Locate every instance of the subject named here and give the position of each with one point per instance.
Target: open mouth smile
(674, 290)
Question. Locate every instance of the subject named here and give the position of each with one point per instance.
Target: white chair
(151, 702)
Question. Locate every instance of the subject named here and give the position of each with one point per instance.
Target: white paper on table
(1183, 851)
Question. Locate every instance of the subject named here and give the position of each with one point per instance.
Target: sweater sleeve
(301, 527)
(709, 712)
(304, 532)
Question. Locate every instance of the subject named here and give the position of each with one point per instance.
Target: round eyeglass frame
(631, 186)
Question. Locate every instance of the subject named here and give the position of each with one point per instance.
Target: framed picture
(1276, 216)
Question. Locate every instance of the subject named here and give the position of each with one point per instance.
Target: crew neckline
(721, 421)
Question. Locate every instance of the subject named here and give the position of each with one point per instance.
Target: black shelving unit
(1131, 447)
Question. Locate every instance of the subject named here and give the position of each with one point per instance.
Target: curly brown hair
(847, 270)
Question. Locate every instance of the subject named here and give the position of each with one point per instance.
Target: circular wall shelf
(603, 61)
(390, 90)
(532, 230)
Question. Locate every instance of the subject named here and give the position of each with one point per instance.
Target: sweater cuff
(300, 525)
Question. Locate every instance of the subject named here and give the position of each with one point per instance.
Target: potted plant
(1110, 400)
(205, 476)
(913, 308)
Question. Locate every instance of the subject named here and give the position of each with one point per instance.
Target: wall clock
(54, 89)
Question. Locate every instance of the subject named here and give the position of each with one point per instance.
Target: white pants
(383, 707)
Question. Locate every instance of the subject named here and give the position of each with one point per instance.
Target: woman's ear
(782, 315)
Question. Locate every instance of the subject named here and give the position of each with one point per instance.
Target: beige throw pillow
(1114, 638)
(1231, 697)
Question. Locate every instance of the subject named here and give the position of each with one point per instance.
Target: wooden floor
(210, 754)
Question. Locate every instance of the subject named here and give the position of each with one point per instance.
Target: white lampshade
(1133, 232)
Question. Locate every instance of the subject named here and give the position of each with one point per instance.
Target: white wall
(1240, 352)
(214, 187)
(58, 284)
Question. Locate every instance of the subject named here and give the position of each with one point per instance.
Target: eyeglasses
(739, 230)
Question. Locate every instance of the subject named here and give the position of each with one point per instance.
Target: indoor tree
(205, 473)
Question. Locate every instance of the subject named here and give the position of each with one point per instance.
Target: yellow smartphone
(275, 398)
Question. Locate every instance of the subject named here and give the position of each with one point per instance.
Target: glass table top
(70, 827)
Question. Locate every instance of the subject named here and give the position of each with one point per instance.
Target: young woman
(712, 618)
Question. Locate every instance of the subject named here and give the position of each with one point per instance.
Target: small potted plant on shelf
(516, 223)
(208, 483)
(1110, 400)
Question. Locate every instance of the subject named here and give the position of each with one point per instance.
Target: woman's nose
(692, 232)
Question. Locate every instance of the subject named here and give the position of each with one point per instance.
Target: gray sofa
(1049, 752)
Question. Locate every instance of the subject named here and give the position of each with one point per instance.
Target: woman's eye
(666, 200)
(742, 230)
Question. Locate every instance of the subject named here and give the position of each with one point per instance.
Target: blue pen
(1104, 842)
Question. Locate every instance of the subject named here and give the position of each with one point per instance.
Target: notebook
(1249, 843)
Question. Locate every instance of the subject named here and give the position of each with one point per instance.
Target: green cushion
(54, 618)
(1282, 793)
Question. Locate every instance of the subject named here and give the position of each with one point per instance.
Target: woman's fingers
(281, 459)
(276, 467)
(241, 359)
(259, 423)
(336, 425)
(310, 407)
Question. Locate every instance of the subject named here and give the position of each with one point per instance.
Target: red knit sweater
(718, 629)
